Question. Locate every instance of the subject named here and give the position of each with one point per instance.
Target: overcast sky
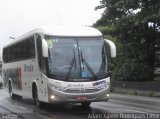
(20, 16)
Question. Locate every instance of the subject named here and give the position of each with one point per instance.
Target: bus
(58, 64)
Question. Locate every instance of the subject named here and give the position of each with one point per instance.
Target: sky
(20, 16)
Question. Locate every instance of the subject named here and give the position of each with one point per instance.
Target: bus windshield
(76, 58)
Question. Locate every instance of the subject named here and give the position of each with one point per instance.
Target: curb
(147, 93)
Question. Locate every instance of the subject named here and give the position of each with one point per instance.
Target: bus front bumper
(58, 96)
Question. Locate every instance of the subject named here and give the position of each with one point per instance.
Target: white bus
(58, 64)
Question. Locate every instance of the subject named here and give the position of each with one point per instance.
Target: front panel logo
(82, 90)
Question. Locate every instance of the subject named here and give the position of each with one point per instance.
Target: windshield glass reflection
(76, 59)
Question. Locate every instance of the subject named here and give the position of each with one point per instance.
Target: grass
(133, 93)
(157, 78)
(151, 94)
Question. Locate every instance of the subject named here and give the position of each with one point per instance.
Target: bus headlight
(56, 87)
(52, 97)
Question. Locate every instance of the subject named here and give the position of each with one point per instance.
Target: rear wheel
(12, 96)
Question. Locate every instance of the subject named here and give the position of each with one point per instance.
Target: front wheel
(36, 100)
(86, 104)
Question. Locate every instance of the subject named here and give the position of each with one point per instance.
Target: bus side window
(19, 50)
(25, 50)
(39, 49)
(9, 54)
(14, 52)
(31, 47)
(4, 54)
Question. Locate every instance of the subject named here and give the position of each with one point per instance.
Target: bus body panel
(21, 76)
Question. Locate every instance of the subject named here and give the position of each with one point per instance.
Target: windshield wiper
(71, 66)
(88, 66)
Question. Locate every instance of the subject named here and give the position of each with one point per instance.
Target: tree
(134, 24)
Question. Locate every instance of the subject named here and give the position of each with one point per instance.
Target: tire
(12, 96)
(86, 104)
(36, 99)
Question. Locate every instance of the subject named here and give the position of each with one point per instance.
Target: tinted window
(13, 51)
(4, 55)
(19, 51)
(39, 49)
(22, 50)
(31, 48)
(9, 55)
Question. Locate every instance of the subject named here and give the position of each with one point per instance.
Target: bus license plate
(81, 98)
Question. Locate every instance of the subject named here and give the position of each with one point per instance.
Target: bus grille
(81, 90)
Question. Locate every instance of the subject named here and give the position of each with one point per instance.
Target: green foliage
(125, 22)
(132, 71)
(135, 93)
(151, 94)
(157, 78)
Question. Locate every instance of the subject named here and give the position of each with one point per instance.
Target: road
(118, 104)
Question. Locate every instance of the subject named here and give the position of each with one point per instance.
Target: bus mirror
(112, 47)
(44, 48)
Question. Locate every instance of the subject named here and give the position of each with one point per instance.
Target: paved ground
(117, 107)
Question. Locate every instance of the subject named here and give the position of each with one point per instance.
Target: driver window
(41, 59)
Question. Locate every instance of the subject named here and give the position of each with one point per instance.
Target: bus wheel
(85, 104)
(12, 96)
(36, 100)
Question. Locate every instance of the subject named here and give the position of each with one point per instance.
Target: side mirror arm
(112, 47)
(44, 48)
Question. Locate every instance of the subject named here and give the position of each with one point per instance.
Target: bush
(132, 71)
(151, 93)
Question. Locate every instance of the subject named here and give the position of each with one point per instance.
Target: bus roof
(62, 31)
(71, 31)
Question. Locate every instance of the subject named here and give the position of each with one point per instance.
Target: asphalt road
(118, 106)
